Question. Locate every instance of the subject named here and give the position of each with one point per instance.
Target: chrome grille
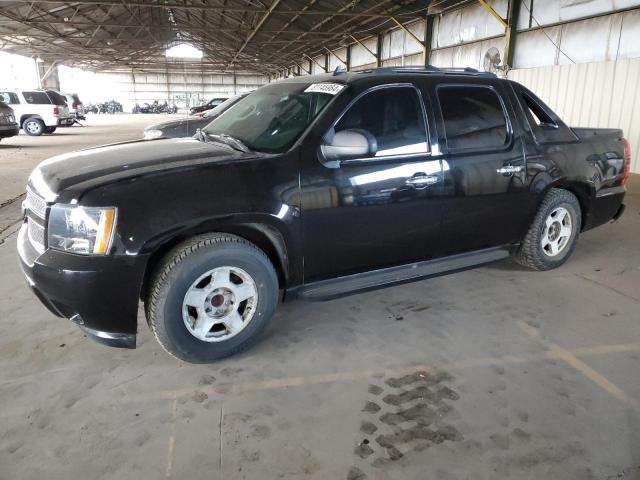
(36, 204)
(36, 234)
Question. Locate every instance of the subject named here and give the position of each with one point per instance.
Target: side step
(360, 282)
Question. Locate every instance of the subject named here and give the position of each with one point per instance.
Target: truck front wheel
(553, 233)
(210, 297)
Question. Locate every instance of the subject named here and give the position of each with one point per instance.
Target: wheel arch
(26, 116)
(584, 192)
(266, 237)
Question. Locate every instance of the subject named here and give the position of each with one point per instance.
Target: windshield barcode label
(330, 88)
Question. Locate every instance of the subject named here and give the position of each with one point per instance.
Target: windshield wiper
(200, 136)
(233, 142)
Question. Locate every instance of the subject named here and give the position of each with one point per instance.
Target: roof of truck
(340, 76)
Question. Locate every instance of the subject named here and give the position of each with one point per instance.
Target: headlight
(151, 134)
(84, 230)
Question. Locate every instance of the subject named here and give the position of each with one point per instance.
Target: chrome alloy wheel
(32, 126)
(557, 232)
(219, 304)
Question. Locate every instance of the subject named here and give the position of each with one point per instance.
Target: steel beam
(365, 47)
(255, 30)
(212, 8)
(495, 14)
(324, 67)
(331, 52)
(412, 35)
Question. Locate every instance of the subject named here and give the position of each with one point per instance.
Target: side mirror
(350, 144)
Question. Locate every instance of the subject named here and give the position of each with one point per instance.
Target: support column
(512, 22)
(349, 58)
(428, 39)
(48, 75)
(235, 81)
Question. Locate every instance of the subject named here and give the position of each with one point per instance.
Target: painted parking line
(572, 360)
(323, 378)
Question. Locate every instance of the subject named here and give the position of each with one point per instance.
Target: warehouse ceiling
(260, 36)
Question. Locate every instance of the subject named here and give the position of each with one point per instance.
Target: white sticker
(330, 88)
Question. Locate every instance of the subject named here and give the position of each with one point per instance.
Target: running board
(360, 282)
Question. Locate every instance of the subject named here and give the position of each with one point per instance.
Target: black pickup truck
(312, 187)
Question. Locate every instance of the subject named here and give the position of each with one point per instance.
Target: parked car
(188, 126)
(456, 169)
(37, 111)
(76, 108)
(214, 102)
(8, 125)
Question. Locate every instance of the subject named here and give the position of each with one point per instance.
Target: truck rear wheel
(211, 296)
(50, 130)
(553, 233)
(33, 126)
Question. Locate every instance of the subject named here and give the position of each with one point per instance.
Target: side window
(36, 97)
(545, 125)
(394, 116)
(9, 98)
(537, 114)
(473, 117)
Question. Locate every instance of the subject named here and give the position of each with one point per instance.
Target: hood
(109, 163)
(182, 123)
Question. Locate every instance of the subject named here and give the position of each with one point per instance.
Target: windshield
(272, 118)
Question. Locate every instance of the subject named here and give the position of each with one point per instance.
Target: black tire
(531, 252)
(33, 126)
(176, 273)
(49, 130)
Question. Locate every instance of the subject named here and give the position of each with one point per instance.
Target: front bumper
(99, 294)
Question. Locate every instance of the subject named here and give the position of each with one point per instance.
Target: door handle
(422, 180)
(510, 169)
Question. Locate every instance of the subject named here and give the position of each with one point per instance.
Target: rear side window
(56, 98)
(474, 117)
(36, 97)
(539, 116)
(394, 116)
(545, 125)
(9, 98)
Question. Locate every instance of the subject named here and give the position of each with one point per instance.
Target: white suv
(37, 111)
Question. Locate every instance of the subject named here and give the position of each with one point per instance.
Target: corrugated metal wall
(183, 89)
(599, 95)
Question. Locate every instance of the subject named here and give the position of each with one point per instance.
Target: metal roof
(259, 36)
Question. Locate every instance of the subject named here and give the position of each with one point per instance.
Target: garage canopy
(240, 35)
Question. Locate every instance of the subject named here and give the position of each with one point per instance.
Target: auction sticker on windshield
(330, 88)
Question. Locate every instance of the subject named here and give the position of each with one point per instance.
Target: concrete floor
(493, 373)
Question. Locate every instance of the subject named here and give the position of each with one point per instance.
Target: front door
(487, 196)
(361, 214)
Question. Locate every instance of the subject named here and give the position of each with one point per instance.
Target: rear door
(369, 213)
(487, 190)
